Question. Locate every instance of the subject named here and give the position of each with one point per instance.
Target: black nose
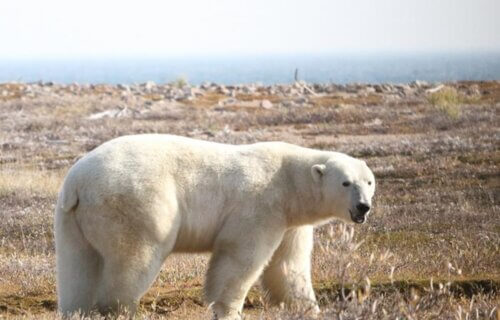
(363, 208)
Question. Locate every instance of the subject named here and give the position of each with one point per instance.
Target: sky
(147, 28)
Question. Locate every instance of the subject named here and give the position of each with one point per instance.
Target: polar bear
(128, 204)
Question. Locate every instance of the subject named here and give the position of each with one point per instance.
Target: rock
(404, 89)
(378, 88)
(301, 100)
(185, 97)
(351, 89)
(123, 87)
(230, 101)
(28, 90)
(223, 90)
(197, 92)
(74, 88)
(374, 122)
(150, 85)
(435, 89)
(420, 84)
(367, 91)
(190, 92)
(370, 89)
(206, 85)
(388, 88)
(227, 101)
(304, 88)
(331, 89)
(114, 113)
(248, 89)
(186, 93)
(289, 104)
(266, 104)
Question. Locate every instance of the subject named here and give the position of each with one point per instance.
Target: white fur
(128, 204)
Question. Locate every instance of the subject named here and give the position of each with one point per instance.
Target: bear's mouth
(357, 218)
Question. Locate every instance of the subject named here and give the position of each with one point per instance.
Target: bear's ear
(317, 171)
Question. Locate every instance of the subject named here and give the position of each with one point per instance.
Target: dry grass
(340, 100)
(431, 249)
(447, 101)
(29, 182)
(180, 82)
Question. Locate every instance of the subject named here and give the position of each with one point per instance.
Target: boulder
(266, 104)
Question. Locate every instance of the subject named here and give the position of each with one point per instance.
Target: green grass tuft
(447, 101)
(180, 82)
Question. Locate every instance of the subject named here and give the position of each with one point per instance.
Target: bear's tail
(68, 196)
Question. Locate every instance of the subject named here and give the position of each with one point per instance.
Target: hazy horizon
(58, 29)
(239, 56)
(264, 68)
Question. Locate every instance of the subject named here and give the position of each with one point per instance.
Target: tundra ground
(430, 250)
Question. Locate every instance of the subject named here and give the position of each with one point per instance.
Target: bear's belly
(195, 238)
(202, 213)
(198, 228)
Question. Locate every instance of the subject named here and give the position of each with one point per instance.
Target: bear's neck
(302, 198)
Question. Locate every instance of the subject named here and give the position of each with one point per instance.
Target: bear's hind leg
(125, 280)
(126, 277)
(287, 278)
(78, 267)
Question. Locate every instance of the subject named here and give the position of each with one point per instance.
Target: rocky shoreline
(74, 118)
(140, 97)
(180, 91)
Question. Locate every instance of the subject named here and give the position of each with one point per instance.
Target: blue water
(265, 69)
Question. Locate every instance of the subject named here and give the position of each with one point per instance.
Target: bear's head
(346, 186)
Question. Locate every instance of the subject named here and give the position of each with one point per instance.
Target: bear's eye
(369, 183)
(346, 183)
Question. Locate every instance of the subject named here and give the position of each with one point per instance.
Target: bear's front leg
(238, 259)
(287, 278)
